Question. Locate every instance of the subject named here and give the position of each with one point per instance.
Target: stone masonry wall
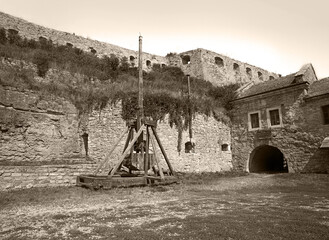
(203, 65)
(106, 126)
(298, 139)
(34, 31)
(40, 143)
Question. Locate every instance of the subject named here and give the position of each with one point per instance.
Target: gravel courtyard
(207, 206)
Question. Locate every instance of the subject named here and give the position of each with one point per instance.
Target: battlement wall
(33, 31)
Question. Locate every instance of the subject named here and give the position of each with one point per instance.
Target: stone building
(280, 125)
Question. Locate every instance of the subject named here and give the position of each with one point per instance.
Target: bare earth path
(254, 206)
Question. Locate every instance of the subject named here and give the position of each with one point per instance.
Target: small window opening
(92, 50)
(186, 59)
(132, 58)
(12, 31)
(236, 67)
(189, 147)
(85, 142)
(69, 44)
(163, 65)
(260, 75)
(249, 73)
(219, 61)
(325, 112)
(225, 147)
(271, 78)
(148, 63)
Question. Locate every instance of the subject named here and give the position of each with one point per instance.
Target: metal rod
(189, 108)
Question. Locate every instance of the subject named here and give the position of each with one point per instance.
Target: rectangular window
(254, 120)
(325, 111)
(274, 117)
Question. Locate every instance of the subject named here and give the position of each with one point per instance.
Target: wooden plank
(127, 150)
(110, 153)
(155, 157)
(163, 151)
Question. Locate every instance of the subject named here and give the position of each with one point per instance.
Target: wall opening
(267, 159)
(92, 50)
(85, 142)
(219, 61)
(236, 67)
(249, 73)
(225, 147)
(163, 65)
(189, 147)
(68, 44)
(271, 78)
(148, 63)
(186, 59)
(132, 61)
(260, 75)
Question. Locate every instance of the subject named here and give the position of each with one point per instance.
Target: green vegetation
(91, 82)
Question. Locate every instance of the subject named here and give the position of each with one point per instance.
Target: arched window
(249, 73)
(69, 44)
(132, 58)
(148, 63)
(186, 59)
(271, 77)
(219, 62)
(236, 67)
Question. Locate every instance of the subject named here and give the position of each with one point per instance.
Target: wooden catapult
(137, 165)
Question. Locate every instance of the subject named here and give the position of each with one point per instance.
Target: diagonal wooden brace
(131, 144)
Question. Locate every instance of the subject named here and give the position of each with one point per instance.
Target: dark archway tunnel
(267, 159)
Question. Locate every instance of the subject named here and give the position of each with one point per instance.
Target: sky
(277, 35)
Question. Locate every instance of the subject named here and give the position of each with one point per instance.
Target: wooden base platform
(107, 182)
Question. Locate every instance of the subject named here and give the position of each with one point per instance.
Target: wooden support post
(131, 144)
(163, 151)
(147, 149)
(156, 158)
(128, 139)
(109, 154)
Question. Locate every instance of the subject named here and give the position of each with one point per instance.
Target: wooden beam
(163, 151)
(131, 144)
(156, 158)
(110, 153)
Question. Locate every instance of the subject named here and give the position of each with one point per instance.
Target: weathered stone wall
(36, 127)
(219, 69)
(298, 139)
(34, 31)
(15, 177)
(40, 144)
(106, 126)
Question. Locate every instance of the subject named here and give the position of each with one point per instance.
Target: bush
(42, 60)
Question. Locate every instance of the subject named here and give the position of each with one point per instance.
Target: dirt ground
(208, 206)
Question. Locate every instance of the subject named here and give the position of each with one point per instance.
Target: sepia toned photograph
(146, 119)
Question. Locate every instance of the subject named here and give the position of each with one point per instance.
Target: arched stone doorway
(267, 159)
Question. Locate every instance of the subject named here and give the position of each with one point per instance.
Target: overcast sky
(277, 35)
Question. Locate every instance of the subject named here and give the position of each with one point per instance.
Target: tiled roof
(319, 87)
(269, 85)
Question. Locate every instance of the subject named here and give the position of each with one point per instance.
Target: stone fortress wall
(34, 31)
(42, 141)
(201, 63)
(219, 69)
